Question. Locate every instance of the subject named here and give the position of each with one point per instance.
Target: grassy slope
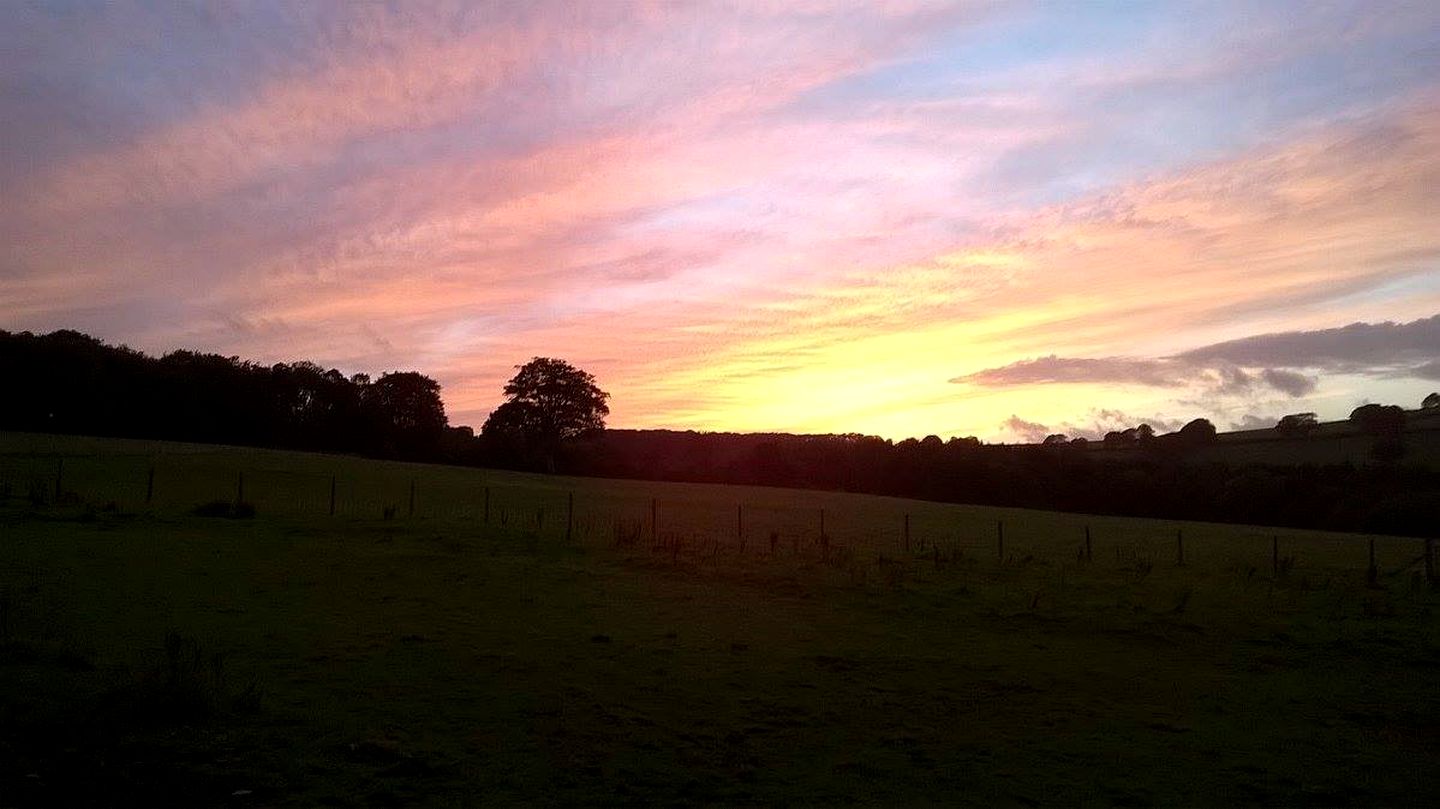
(439, 660)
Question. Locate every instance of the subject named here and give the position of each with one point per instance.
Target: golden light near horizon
(947, 218)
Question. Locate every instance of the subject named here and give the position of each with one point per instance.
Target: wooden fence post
(907, 533)
(59, 474)
(1275, 556)
(1089, 552)
(1372, 573)
(1179, 547)
(822, 526)
(740, 526)
(1000, 538)
(240, 488)
(150, 486)
(1429, 560)
(332, 495)
(654, 529)
(487, 505)
(412, 497)
(569, 516)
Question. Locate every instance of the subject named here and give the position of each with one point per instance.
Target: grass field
(724, 654)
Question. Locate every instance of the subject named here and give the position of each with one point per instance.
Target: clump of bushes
(225, 508)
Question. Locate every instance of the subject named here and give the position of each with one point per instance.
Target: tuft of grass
(186, 685)
(628, 532)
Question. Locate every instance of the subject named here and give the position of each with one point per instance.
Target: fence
(681, 520)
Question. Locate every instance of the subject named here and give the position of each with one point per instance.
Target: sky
(894, 218)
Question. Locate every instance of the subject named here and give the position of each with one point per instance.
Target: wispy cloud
(1029, 432)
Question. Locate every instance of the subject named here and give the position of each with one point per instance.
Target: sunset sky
(908, 218)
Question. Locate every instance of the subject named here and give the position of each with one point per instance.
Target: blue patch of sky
(1149, 124)
(1137, 132)
(977, 59)
(1409, 293)
(118, 78)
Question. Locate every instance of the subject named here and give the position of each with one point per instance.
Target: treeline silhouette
(67, 382)
(1159, 479)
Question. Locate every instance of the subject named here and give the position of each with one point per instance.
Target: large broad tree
(548, 402)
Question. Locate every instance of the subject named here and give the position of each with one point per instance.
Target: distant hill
(1331, 442)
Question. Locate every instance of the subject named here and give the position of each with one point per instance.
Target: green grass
(435, 659)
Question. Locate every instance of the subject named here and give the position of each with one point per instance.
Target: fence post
(487, 505)
(412, 497)
(1089, 552)
(1000, 538)
(150, 486)
(59, 474)
(1275, 556)
(740, 526)
(569, 516)
(654, 530)
(1179, 547)
(1429, 561)
(907, 533)
(240, 488)
(822, 526)
(332, 495)
(1372, 573)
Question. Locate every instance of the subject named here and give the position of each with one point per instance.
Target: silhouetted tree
(1431, 401)
(405, 410)
(1198, 432)
(550, 402)
(1297, 425)
(1055, 439)
(1385, 423)
(1379, 420)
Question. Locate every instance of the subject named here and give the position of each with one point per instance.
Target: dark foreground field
(149, 655)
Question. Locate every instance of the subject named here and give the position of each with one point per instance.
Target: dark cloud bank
(1286, 361)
